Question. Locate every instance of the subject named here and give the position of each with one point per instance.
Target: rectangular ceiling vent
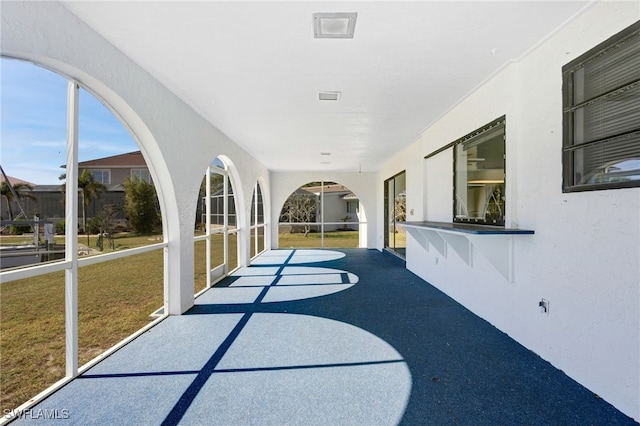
(329, 96)
(334, 25)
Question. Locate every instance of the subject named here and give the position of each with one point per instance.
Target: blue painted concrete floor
(325, 337)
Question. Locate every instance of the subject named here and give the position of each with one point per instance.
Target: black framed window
(395, 212)
(601, 122)
(479, 175)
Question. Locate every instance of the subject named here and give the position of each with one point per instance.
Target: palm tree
(21, 190)
(90, 189)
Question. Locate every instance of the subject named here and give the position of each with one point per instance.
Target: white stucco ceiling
(254, 70)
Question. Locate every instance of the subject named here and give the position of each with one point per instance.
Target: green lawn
(335, 239)
(115, 299)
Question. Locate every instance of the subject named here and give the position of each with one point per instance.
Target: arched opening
(218, 220)
(320, 214)
(78, 274)
(258, 226)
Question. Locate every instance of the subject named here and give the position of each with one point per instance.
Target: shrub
(60, 227)
(141, 206)
(93, 225)
(19, 229)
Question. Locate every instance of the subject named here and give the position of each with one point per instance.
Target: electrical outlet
(544, 306)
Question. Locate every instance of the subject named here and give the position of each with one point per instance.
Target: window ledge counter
(493, 242)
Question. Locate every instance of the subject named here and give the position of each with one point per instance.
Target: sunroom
(491, 155)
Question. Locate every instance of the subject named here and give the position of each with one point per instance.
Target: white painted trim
(71, 232)
(120, 344)
(225, 222)
(320, 223)
(34, 271)
(62, 382)
(218, 273)
(254, 210)
(118, 254)
(208, 226)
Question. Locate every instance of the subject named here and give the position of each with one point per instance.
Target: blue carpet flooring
(335, 337)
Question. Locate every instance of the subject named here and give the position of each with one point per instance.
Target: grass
(199, 266)
(31, 337)
(217, 258)
(115, 299)
(334, 239)
(398, 239)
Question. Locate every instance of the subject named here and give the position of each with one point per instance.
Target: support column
(71, 233)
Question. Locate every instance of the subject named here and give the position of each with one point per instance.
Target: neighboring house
(111, 171)
(4, 202)
(339, 202)
(15, 181)
(115, 169)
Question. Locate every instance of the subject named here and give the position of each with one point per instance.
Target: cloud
(33, 124)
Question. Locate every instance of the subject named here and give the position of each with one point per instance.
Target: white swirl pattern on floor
(271, 270)
(297, 369)
(304, 370)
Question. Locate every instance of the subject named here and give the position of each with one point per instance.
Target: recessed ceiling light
(334, 25)
(325, 153)
(329, 96)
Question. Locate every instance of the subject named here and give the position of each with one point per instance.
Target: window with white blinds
(601, 103)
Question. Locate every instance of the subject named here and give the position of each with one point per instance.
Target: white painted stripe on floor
(230, 295)
(286, 293)
(258, 280)
(306, 270)
(256, 271)
(310, 279)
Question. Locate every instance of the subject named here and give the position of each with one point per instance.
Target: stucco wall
(118, 176)
(284, 183)
(163, 125)
(585, 255)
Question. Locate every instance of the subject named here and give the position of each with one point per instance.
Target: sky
(33, 124)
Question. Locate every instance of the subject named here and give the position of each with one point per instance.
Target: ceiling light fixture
(329, 96)
(325, 153)
(334, 25)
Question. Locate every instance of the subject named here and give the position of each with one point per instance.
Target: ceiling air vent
(329, 96)
(334, 25)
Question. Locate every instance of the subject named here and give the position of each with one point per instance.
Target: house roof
(14, 181)
(130, 159)
(330, 189)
